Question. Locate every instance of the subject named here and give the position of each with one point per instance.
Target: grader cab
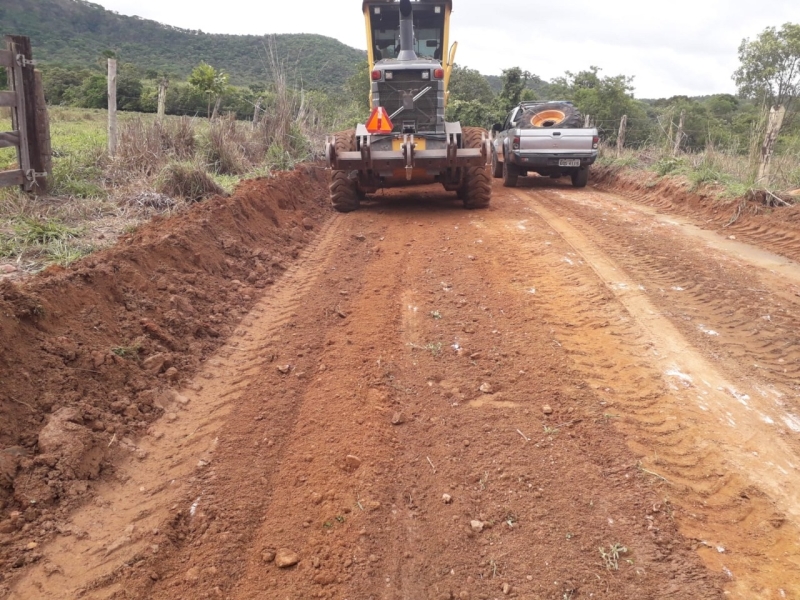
(406, 140)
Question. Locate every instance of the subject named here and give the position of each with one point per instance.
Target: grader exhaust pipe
(406, 32)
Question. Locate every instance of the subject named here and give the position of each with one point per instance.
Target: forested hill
(78, 33)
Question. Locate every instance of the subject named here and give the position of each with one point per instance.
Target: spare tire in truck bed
(555, 115)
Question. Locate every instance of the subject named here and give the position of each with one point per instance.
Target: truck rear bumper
(549, 161)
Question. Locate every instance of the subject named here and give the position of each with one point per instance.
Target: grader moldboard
(406, 140)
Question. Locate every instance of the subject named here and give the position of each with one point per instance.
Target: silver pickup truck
(547, 138)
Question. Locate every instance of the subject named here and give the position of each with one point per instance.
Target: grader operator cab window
(428, 30)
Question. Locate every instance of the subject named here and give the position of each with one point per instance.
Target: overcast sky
(676, 47)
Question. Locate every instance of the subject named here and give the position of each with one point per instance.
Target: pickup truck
(547, 138)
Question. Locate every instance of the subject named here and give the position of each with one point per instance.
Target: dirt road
(568, 395)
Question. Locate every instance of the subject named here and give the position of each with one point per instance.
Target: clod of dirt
(397, 418)
(547, 409)
(352, 462)
(284, 368)
(477, 526)
(447, 498)
(192, 575)
(7, 268)
(286, 558)
(486, 388)
(325, 578)
(268, 556)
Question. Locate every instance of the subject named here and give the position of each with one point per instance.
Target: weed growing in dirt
(130, 352)
(436, 314)
(187, 180)
(612, 555)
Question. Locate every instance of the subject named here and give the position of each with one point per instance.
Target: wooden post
(623, 124)
(112, 107)
(162, 98)
(257, 113)
(679, 135)
(25, 77)
(774, 124)
(43, 134)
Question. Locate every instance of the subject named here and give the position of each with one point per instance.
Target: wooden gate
(31, 130)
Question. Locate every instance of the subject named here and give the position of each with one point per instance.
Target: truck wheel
(580, 177)
(497, 168)
(559, 115)
(510, 174)
(476, 189)
(345, 196)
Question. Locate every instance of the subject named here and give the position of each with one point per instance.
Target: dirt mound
(755, 218)
(91, 353)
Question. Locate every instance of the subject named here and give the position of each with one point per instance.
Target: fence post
(257, 113)
(27, 79)
(679, 135)
(162, 97)
(623, 124)
(43, 133)
(776, 114)
(112, 107)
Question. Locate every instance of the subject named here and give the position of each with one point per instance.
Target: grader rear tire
(345, 195)
(476, 191)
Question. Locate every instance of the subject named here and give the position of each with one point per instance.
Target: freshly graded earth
(572, 394)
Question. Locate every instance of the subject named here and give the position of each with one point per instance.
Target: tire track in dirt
(686, 419)
(131, 517)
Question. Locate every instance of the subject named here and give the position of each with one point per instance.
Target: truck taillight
(438, 73)
(515, 143)
(376, 75)
(595, 142)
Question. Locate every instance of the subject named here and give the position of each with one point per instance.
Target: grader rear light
(376, 75)
(379, 121)
(438, 73)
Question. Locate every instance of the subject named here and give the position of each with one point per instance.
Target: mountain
(77, 33)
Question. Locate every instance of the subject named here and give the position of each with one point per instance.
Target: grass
(725, 174)
(93, 199)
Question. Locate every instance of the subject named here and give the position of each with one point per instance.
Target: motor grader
(407, 141)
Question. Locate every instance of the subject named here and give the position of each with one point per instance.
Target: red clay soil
(260, 398)
(89, 352)
(758, 220)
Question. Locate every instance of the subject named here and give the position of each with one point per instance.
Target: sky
(679, 47)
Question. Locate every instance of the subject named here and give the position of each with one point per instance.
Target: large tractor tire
(497, 166)
(476, 191)
(551, 115)
(580, 177)
(345, 196)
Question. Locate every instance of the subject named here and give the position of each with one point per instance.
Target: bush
(188, 181)
(668, 164)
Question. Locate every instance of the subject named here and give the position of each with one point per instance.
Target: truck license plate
(569, 162)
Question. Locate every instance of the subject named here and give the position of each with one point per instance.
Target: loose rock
(447, 498)
(477, 526)
(486, 388)
(547, 409)
(352, 462)
(397, 418)
(286, 558)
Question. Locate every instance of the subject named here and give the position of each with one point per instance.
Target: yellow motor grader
(406, 140)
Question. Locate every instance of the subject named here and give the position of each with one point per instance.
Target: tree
(211, 83)
(770, 67)
(469, 85)
(514, 82)
(606, 99)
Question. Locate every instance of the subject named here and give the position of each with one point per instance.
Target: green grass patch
(31, 230)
